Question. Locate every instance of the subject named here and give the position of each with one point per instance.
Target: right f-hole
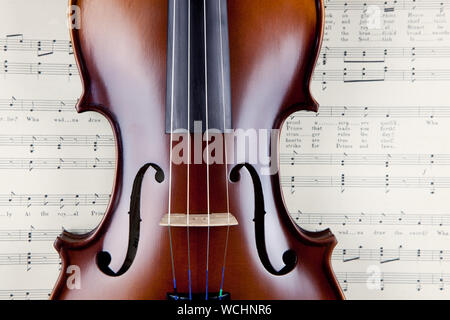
(290, 258)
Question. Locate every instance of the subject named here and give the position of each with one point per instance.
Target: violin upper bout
(273, 52)
(114, 75)
(303, 100)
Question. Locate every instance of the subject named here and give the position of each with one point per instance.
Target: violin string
(207, 145)
(170, 144)
(225, 150)
(189, 146)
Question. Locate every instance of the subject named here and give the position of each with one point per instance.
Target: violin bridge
(199, 220)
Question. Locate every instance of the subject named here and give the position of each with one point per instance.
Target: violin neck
(198, 67)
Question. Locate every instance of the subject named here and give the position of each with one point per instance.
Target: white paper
(372, 165)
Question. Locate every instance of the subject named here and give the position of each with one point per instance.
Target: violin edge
(324, 238)
(67, 239)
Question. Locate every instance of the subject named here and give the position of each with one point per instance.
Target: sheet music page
(373, 164)
(56, 166)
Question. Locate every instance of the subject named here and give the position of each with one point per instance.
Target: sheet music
(372, 165)
(56, 166)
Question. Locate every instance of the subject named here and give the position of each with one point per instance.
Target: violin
(192, 215)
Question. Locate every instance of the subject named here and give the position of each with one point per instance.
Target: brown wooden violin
(192, 215)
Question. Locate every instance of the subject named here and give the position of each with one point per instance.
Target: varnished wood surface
(121, 51)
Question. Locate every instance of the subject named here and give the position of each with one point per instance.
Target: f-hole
(289, 257)
(103, 257)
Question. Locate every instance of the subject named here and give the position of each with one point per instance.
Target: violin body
(122, 49)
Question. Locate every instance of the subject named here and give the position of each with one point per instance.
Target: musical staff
(348, 54)
(29, 259)
(37, 294)
(34, 235)
(372, 219)
(381, 54)
(386, 182)
(51, 200)
(59, 142)
(37, 105)
(430, 112)
(389, 255)
(379, 75)
(346, 159)
(17, 42)
(39, 68)
(346, 75)
(56, 163)
(440, 280)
